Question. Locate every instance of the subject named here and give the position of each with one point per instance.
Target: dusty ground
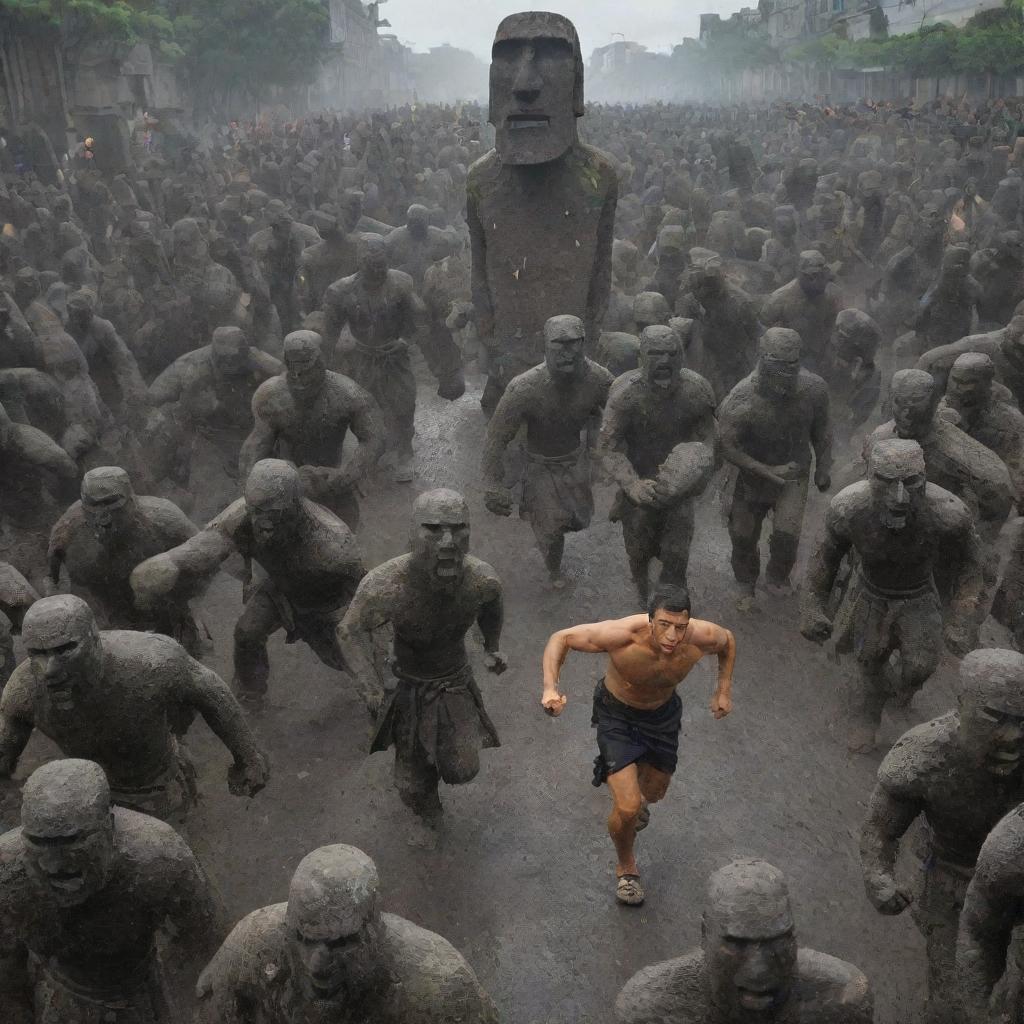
(521, 877)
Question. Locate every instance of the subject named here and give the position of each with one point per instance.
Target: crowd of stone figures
(693, 294)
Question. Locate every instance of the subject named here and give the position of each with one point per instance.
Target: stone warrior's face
(536, 87)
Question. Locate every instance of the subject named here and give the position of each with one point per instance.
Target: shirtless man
(637, 711)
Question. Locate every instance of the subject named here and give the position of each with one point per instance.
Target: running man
(637, 711)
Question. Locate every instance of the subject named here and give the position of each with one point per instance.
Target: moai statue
(541, 205)
(749, 967)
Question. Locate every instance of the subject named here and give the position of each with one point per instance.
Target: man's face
(668, 629)
(752, 971)
(898, 494)
(533, 80)
(661, 361)
(107, 514)
(305, 373)
(64, 664)
(439, 546)
(814, 277)
(564, 358)
(71, 868)
(332, 963)
(912, 411)
(992, 732)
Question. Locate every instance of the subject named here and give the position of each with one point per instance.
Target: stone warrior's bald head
(564, 338)
(536, 87)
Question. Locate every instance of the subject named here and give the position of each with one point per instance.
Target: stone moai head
(536, 87)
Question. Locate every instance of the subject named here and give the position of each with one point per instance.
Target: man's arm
(204, 690)
(590, 638)
(714, 639)
(890, 814)
(821, 575)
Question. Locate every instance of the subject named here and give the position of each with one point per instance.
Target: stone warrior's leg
(259, 619)
(640, 534)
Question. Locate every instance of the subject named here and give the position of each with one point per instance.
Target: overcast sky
(658, 24)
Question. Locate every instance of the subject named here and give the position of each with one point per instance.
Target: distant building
(447, 74)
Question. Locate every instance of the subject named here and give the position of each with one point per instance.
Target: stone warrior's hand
(247, 778)
(886, 896)
(822, 480)
(499, 501)
(816, 626)
(495, 662)
(960, 638)
(643, 492)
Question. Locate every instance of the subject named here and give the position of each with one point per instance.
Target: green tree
(248, 45)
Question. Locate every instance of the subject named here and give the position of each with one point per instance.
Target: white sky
(658, 24)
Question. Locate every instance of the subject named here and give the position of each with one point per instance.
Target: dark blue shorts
(627, 735)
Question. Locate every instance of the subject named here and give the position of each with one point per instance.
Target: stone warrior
(637, 711)
(330, 954)
(304, 416)
(308, 563)
(962, 772)
(85, 891)
(104, 536)
(899, 528)
(383, 314)
(652, 412)
(118, 697)
(435, 718)
(749, 966)
(771, 423)
(556, 401)
(541, 205)
(16, 597)
(989, 963)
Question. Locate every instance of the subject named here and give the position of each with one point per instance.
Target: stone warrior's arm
(508, 417)
(990, 913)
(963, 550)
(15, 983)
(369, 610)
(490, 617)
(192, 914)
(261, 442)
(182, 571)
(890, 814)
(201, 688)
(367, 425)
(821, 574)
(821, 441)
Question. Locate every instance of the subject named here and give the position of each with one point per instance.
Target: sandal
(629, 891)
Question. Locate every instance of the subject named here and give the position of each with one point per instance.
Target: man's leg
(786, 526)
(627, 800)
(259, 619)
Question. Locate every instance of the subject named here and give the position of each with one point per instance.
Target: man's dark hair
(668, 598)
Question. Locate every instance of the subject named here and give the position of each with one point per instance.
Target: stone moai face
(536, 87)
